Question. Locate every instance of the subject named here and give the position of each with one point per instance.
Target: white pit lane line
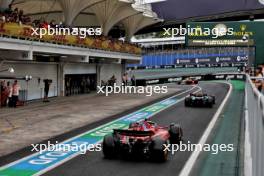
(75, 137)
(195, 154)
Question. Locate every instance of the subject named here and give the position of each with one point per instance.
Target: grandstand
(194, 57)
(69, 59)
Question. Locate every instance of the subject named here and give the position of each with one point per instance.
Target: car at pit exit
(199, 100)
(188, 81)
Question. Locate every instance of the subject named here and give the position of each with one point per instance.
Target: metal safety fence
(254, 131)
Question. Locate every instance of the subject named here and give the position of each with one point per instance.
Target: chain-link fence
(254, 133)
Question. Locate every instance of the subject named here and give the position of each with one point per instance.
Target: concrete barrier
(254, 131)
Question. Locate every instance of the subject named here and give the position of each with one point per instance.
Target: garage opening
(76, 84)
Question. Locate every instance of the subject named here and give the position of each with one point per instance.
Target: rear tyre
(175, 134)
(187, 102)
(109, 149)
(211, 103)
(213, 99)
(157, 150)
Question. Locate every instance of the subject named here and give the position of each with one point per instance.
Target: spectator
(14, 15)
(9, 10)
(52, 24)
(262, 69)
(15, 93)
(259, 79)
(3, 19)
(2, 86)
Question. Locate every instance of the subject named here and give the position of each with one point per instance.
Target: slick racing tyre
(175, 134)
(187, 102)
(109, 149)
(213, 97)
(157, 150)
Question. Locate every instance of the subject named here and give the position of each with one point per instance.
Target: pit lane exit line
(38, 164)
(186, 170)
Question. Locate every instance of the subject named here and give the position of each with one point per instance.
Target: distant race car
(188, 81)
(200, 100)
(144, 140)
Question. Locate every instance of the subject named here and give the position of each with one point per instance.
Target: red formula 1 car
(144, 139)
(189, 81)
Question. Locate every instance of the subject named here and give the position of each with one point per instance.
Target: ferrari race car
(188, 81)
(141, 140)
(199, 100)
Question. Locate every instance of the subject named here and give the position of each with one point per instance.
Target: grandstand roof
(104, 13)
(184, 9)
(179, 11)
(134, 15)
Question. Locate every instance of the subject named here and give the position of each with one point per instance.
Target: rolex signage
(229, 34)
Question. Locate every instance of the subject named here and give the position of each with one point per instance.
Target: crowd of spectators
(15, 16)
(259, 78)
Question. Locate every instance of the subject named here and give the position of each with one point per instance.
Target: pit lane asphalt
(193, 121)
(24, 152)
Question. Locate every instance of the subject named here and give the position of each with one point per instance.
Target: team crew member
(10, 91)
(15, 93)
(125, 79)
(47, 84)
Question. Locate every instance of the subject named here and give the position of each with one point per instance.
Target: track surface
(193, 121)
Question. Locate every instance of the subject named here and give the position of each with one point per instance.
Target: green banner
(248, 34)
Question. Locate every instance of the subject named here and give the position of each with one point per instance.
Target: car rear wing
(133, 133)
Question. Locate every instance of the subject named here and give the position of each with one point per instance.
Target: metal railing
(254, 132)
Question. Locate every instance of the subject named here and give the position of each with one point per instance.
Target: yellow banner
(25, 32)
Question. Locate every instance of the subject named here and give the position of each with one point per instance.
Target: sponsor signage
(221, 34)
(213, 60)
(208, 42)
(240, 33)
(25, 31)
